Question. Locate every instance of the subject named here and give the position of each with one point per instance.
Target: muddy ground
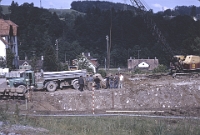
(148, 94)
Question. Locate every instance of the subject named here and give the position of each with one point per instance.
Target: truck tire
(22, 87)
(51, 86)
(75, 85)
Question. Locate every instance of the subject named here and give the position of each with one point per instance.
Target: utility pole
(65, 57)
(108, 52)
(138, 53)
(56, 49)
(40, 4)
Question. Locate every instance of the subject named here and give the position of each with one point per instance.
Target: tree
(9, 58)
(1, 15)
(193, 11)
(2, 62)
(33, 63)
(168, 12)
(50, 62)
(196, 46)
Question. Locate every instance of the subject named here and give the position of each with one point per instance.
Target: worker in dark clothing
(111, 82)
(81, 83)
(107, 82)
(97, 82)
(116, 81)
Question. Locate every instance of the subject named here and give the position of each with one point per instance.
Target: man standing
(107, 82)
(121, 80)
(97, 82)
(116, 80)
(90, 83)
(111, 81)
(87, 82)
(81, 83)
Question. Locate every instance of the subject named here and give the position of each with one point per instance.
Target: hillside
(61, 12)
(5, 9)
(84, 28)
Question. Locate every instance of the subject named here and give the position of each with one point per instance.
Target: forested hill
(83, 6)
(78, 32)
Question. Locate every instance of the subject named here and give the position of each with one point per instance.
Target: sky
(156, 5)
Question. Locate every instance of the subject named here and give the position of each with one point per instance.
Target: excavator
(179, 64)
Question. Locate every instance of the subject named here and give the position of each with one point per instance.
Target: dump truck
(50, 81)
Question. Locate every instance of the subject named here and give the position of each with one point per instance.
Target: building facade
(8, 39)
(145, 64)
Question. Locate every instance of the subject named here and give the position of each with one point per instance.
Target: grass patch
(104, 125)
(115, 125)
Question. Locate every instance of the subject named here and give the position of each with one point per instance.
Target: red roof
(5, 27)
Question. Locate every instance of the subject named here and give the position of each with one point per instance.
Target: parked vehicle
(50, 81)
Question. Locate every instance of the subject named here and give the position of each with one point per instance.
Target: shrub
(102, 72)
(160, 69)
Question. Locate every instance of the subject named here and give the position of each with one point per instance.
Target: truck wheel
(76, 85)
(51, 86)
(21, 87)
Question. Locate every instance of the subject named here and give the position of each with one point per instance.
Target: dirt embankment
(173, 96)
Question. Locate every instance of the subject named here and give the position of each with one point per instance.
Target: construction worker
(97, 82)
(81, 83)
(87, 82)
(121, 80)
(111, 81)
(116, 80)
(90, 83)
(107, 82)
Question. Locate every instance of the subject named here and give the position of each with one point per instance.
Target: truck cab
(26, 79)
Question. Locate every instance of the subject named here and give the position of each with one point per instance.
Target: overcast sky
(156, 5)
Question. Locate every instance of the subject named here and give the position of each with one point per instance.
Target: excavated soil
(160, 95)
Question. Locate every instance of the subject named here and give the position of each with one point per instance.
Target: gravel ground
(174, 96)
(178, 96)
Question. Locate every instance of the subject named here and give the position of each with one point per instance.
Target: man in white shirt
(121, 80)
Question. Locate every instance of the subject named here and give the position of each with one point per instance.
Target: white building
(147, 64)
(8, 39)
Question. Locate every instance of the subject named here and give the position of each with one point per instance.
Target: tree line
(86, 31)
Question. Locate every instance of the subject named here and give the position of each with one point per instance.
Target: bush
(160, 69)
(102, 72)
(137, 71)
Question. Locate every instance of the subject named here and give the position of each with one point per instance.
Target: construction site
(55, 93)
(141, 94)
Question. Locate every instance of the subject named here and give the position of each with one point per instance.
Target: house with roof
(143, 64)
(30, 65)
(8, 39)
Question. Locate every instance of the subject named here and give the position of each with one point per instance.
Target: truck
(50, 81)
